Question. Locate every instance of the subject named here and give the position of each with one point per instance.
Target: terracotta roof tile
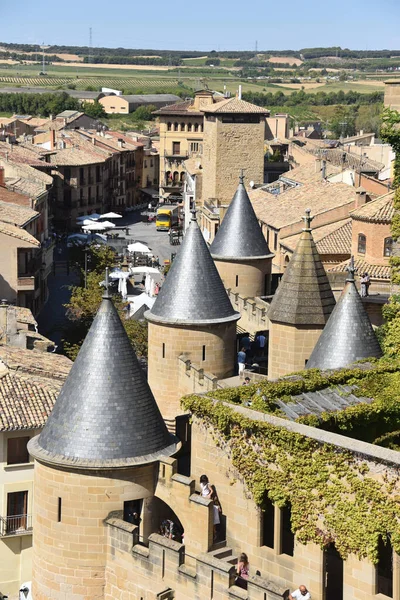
(362, 266)
(19, 233)
(286, 208)
(334, 238)
(380, 210)
(234, 105)
(46, 365)
(15, 213)
(7, 195)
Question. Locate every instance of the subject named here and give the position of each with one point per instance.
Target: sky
(205, 25)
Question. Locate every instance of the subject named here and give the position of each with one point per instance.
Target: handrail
(15, 524)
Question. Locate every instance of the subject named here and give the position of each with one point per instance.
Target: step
(222, 553)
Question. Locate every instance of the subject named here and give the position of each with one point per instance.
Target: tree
(144, 113)
(95, 110)
(343, 124)
(85, 301)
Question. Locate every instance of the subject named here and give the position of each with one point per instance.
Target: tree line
(132, 60)
(314, 99)
(37, 104)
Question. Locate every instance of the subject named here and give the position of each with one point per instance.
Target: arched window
(176, 177)
(182, 126)
(189, 127)
(388, 247)
(183, 176)
(169, 126)
(168, 177)
(362, 243)
(201, 127)
(176, 126)
(196, 126)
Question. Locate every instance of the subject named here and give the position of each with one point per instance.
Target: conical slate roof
(106, 415)
(193, 292)
(348, 335)
(239, 236)
(304, 295)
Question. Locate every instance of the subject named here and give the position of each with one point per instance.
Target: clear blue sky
(205, 25)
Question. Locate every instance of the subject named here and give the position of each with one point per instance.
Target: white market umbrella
(139, 247)
(111, 215)
(85, 221)
(122, 287)
(146, 270)
(93, 217)
(118, 274)
(94, 227)
(107, 224)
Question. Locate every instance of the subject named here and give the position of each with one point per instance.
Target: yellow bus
(167, 217)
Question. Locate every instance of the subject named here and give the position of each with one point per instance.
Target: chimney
(2, 181)
(51, 117)
(121, 143)
(361, 197)
(53, 139)
(323, 169)
(93, 141)
(240, 92)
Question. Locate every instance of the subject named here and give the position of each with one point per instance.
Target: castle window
(275, 241)
(237, 280)
(388, 247)
(268, 524)
(204, 353)
(175, 126)
(384, 569)
(169, 126)
(362, 243)
(182, 126)
(17, 451)
(189, 127)
(287, 536)
(59, 508)
(176, 147)
(196, 126)
(194, 146)
(163, 350)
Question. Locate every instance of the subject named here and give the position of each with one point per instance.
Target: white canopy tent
(95, 227)
(111, 215)
(146, 270)
(107, 224)
(139, 248)
(85, 222)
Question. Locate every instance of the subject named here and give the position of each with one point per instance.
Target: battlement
(165, 570)
(253, 312)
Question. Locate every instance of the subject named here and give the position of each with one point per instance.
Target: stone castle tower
(240, 250)
(348, 335)
(300, 308)
(98, 449)
(192, 317)
(234, 133)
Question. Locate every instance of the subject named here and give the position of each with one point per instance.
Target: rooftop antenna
(43, 48)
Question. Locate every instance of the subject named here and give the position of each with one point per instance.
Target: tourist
(216, 515)
(241, 358)
(245, 341)
(246, 381)
(206, 489)
(302, 592)
(261, 339)
(242, 571)
(365, 283)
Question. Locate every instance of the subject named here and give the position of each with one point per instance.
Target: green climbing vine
(333, 495)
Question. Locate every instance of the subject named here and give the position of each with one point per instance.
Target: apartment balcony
(173, 185)
(26, 284)
(15, 525)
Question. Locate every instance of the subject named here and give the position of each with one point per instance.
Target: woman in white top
(206, 489)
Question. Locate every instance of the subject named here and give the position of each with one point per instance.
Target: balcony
(15, 525)
(26, 284)
(173, 185)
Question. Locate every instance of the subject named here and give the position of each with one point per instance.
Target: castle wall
(290, 347)
(70, 549)
(167, 343)
(248, 278)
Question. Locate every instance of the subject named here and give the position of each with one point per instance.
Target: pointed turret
(105, 415)
(193, 292)
(300, 308)
(348, 335)
(191, 322)
(239, 235)
(304, 295)
(240, 249)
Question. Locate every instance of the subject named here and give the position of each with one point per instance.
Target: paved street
(52, 319)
